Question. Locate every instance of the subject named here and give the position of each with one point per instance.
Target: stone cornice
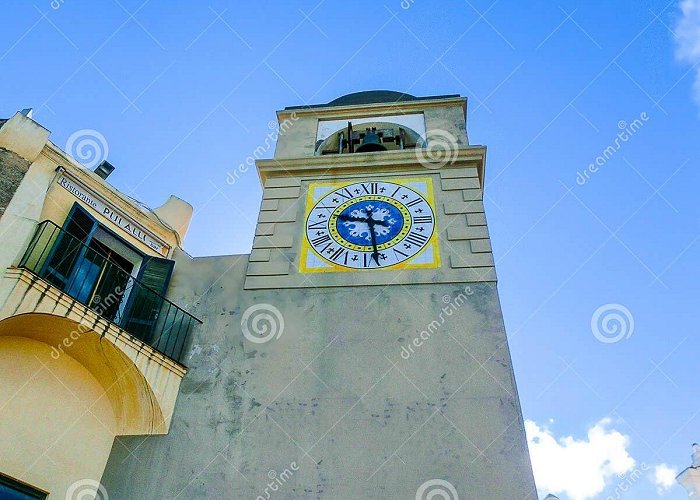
(86, 316)
(379, 109)
(381, 162)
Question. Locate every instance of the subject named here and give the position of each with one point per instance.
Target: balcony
(93, 278)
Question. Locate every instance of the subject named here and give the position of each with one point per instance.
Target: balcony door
(102, 271)
(69, 248)
(92, 265)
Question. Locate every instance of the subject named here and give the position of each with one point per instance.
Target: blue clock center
(388, 222)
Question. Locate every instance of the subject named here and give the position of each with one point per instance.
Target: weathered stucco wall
(368, 392)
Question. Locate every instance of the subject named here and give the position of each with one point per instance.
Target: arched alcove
(134, 405)
(58, 426)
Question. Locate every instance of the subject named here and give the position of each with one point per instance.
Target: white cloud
(687, 30)
(664, 478)
(579, 468)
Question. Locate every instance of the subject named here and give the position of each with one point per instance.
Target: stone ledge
(472, 194)
(458, 260)
(460, 183)
(458, 173)
(281, 192)
(481, 246)
(259, 255)
(272, 204)
(463, 207)
(274, 241)
(476, 219)
(282, 182)
(264, 229)
(277, 216)
(459, 232)
(268, 268)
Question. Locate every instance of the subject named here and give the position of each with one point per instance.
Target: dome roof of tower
(372, 97)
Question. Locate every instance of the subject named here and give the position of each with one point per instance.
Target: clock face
(370, 225)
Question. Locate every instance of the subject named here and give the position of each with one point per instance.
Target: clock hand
(370, 223)
(351, 219)
(377, 222)
(347, 218)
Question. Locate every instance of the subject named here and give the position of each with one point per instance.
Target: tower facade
(359, 350)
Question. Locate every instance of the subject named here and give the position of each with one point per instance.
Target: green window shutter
(145, 300)
(155, 274)
(69, 247)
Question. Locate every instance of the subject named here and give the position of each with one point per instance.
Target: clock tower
(359, 350)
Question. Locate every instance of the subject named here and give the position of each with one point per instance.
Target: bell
(371, 142)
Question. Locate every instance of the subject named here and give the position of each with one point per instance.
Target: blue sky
(183, 95)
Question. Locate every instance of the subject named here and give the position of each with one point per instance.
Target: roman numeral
(414, 202)
(327, 207)
(317, 225)
(397, 190)
(339, 253)
(344, 193)
(399, 252)
(320, 240)
(373, 188)
(425, 219)
(416, 238)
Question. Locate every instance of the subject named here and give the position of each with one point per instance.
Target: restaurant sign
(115, 216)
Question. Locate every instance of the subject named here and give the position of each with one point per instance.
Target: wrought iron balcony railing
(95, 280)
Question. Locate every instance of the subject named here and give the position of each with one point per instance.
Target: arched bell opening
(370, 137)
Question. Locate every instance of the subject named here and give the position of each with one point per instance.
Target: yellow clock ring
(395, 210)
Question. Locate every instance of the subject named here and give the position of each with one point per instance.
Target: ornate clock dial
(370, 225)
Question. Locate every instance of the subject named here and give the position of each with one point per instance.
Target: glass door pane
(14, 490)
(84, 279)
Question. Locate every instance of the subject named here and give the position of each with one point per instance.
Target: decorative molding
(460, 183)
(374, 109)
(385, 162)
